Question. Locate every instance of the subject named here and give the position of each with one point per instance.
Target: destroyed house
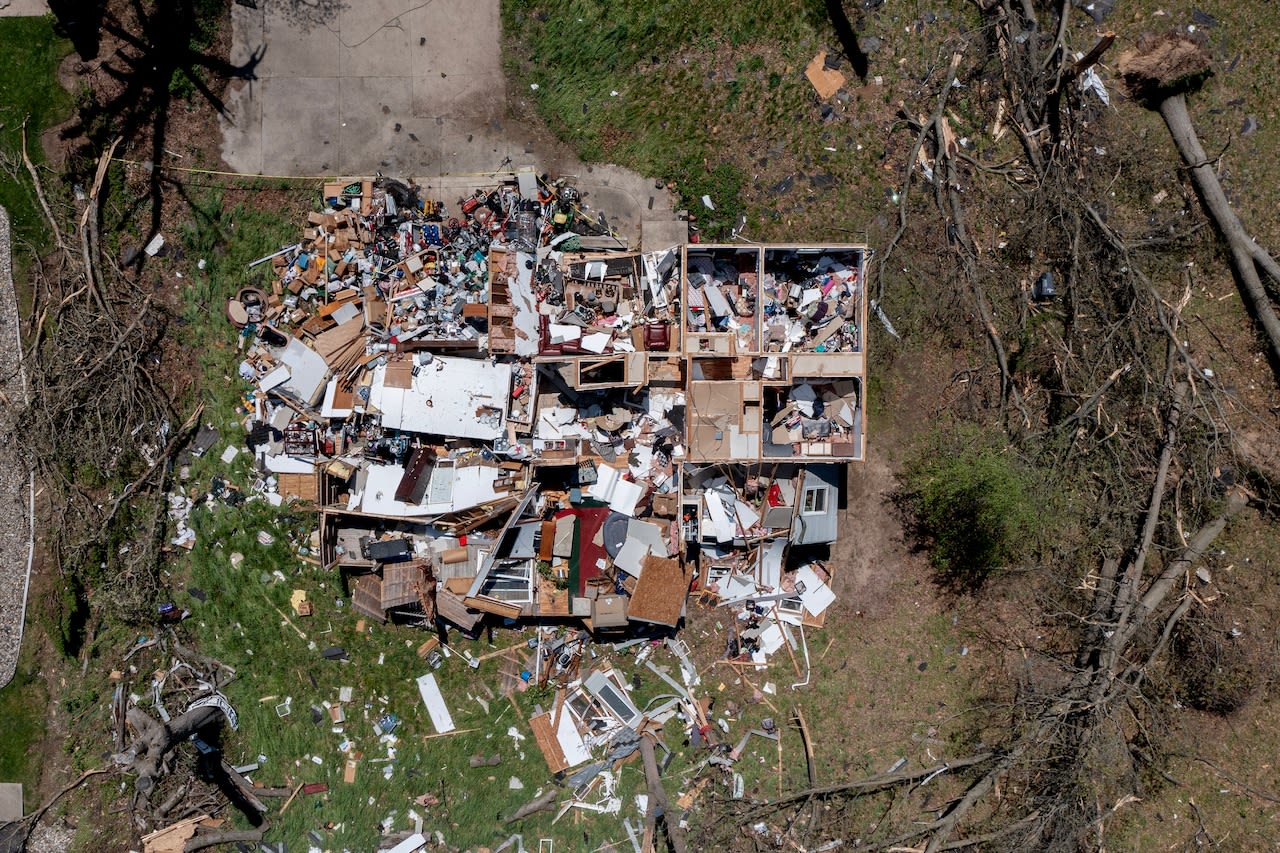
(774, 341)
(500, 417)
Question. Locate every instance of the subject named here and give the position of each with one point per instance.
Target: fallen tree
(1112, 404)
(1162, 72)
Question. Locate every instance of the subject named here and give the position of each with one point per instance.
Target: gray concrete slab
(367, 106)
(23, 9)
(299, 137)
(250, 28)
(292, 50)
(331, 90)
(10, 801)
(374, 39)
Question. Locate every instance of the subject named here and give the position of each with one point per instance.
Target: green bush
(973, 504)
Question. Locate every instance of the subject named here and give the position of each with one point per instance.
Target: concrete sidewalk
(17, 483)
(23, 8)
(402, 87)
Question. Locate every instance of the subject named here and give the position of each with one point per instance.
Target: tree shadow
(80, 21)
(160, 54)
(848, 38)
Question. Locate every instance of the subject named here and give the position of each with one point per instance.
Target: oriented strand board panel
(552, 601)
(825, 81)
(660, 592)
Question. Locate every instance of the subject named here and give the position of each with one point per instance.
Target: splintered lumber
(292, 797)
(500, 652)
(172, 838)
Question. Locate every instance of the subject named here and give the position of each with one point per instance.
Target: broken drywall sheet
(622, 495)
(815, 594)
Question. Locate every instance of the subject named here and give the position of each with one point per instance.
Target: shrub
(972, 503)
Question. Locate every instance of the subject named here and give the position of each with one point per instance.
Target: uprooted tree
(1162, 72)
(158, 752)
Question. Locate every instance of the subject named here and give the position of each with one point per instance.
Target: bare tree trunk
(658, 793)
(533, 806)
(156, 740)
(200, 842)
(1243, 250)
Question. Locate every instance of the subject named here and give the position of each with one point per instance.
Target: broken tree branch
(34, 818)
(912, 156)
(44, 202)
(880, 781)
(537, 804)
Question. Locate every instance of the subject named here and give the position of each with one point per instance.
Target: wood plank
(492, 605)
(544, 734)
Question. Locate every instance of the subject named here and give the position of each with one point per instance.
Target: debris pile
(506, 418)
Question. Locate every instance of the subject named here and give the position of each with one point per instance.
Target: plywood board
(332, 342)
(399, 373)
(302, 486)
(660, 592)
(449, 606)
(544, 735)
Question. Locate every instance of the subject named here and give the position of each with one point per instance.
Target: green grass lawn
(713, 96)
(22, 707)
(29, 55)
(609, 84)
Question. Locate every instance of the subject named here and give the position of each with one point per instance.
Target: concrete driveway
(404, 87)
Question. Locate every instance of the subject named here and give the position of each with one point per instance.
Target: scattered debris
(505, 417)
(826, 81)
